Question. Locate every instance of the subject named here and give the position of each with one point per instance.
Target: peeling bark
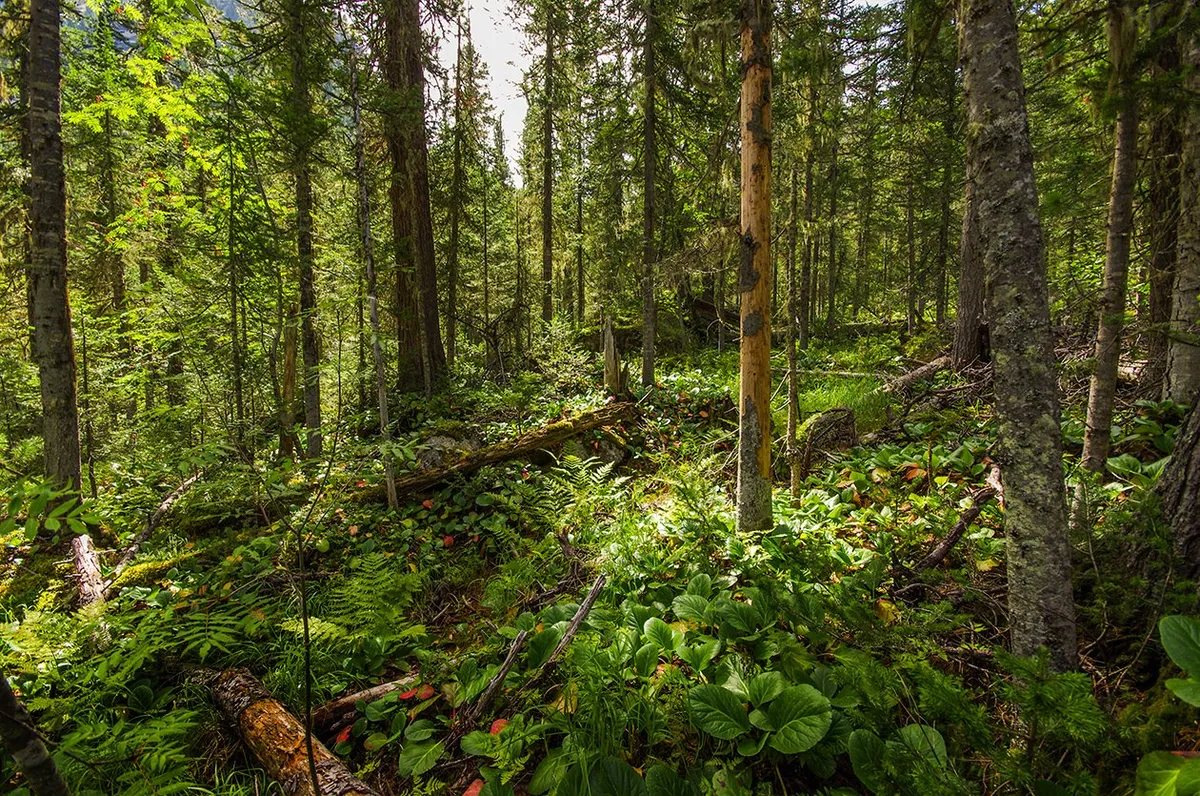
(754, 283)
(277, 740)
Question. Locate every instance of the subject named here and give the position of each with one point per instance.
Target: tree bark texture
(456, 200)
(1183, 352)
(1041, 608)
(969, 325)
(1102, 392)
(649, 167)
(548, 174)
(1180, 492)
(434, 353)
(793, 387)
(53, 344)
(410, 361)
(754, 275)
(299, 31)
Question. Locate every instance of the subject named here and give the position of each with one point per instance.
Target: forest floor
(813, 658)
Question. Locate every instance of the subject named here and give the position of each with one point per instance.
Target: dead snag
(87, 568)
(524, 446)
(277, 739)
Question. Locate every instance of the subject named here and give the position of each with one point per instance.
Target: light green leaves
(1165, 774)
(718, 712)
(417, 758)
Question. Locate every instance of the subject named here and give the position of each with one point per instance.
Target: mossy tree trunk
(1041, 609)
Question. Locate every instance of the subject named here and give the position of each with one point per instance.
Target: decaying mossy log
(901, 384)
(277, 739)
(833, 429)
(524, 446)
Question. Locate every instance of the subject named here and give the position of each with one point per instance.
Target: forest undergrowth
(819, 657)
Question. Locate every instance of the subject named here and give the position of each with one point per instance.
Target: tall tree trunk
(806, 267)
(410, 366)
(1097, 436)
(456, 200)
(969, 324)
(579, 314)
(368, 251)
(287, 403)
(53, 345)
(235, 338)
(434, 355)
(831, 297)
(650, 158)
(754, 276)
(519, 343)
(21, 739)
(548, 174)
(910, 236)
(1183, 352)
(1041, 608)
(793, 403)
(1166, 144)
(299, 31)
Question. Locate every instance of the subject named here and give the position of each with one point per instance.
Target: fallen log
(902, 384)
(152, 523)
(277, 739)
(87, 568)
(978, 501)
(526, 445)
(333, 715)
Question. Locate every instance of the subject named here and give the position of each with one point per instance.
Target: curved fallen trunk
(524, 446)
(277, 739)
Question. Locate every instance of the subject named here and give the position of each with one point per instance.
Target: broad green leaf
(1181, 638)
(1165, 774)
(549, 773)
(765, 687)
(700, 584)
(761, 720)
(375, 741)
(645, 660)
(867, 755)
(417, 758)
(924, 742)
(480, 742)
(692, 607)
(802, 717)
(717, 711)
(541, 645)
(662, 634)
(699, 656)
(749, 747)
(420, 730)
(662, 781)
(613, 777)
(1187, 690)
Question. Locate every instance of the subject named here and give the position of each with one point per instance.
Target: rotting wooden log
(902, 384)
(87, 569)
(337, 713)
(277, 739)
(524, 446)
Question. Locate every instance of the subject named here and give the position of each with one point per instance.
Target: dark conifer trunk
(53, 345)
(650, 163)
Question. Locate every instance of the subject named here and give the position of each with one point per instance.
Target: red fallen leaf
(361, 484)
(448, 541)
(425, 692)
(428, 503)
(409, 694)
(354, 530)
(475, 537)
(474, 789)
(498, 726)
(344, 735)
